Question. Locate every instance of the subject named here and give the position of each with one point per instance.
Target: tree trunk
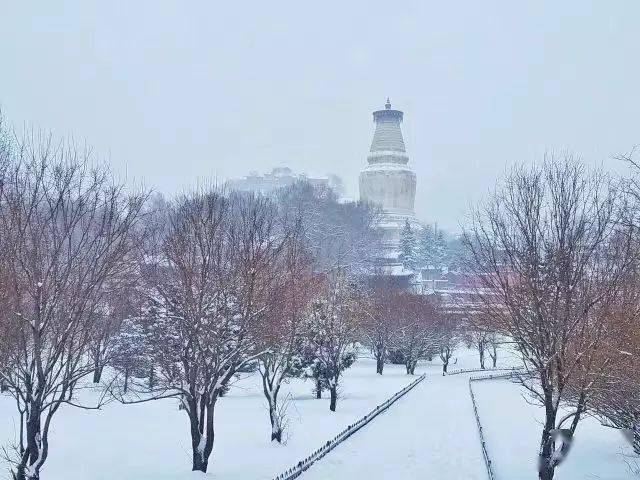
(445, 366)
(33, 436)
(19, 473)
(97, 373)
(547, 446)
(152, 378)
(546, 473)
(411, 367)
(334, 398)
(199, 464)
(481, 352)
(271, 395)
(318, 387)
(379, 364)
(202, 433)
(276, 428)
(636, 437)
(33, 451)
(546, 469)
(126, 380)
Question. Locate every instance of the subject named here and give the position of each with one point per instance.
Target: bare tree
(6, 343)
(339, 235)
(334, 326)
(68, 232)
(208, 277)
(542, 251)
(449, 330)
(616, 397)
(476, 336)
(285, 334)
(476, 330)
(416, 335)
(492, 343)
(378, 324)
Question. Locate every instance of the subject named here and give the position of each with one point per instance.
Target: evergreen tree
(455, 255)
(440, 249)
(425, 248)
(432, 248)
(408, 248)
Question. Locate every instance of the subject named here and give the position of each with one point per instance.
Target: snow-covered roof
(387, 167)
(396, 270)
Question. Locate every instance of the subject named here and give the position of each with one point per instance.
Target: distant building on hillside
(280, 177)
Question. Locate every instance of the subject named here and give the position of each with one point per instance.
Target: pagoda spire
(387, 137)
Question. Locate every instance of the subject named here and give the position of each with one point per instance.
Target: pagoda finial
(388, 104)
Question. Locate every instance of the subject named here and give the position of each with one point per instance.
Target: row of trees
(166, 299)
(155, 299)
(403, 327)
(68, 238)
(424, 247)
(174, 299)
(555, 253)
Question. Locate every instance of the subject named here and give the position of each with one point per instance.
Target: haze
(174, 92)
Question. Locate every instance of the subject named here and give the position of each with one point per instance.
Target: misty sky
(176, 92)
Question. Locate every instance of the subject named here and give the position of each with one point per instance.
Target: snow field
(429, 433)
(151, 441)
(512, 429)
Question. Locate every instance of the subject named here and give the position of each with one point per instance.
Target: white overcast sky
(176, 92)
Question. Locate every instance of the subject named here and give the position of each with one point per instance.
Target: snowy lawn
(430, 433)
(427, 434)
(513, 427)
(151, 441)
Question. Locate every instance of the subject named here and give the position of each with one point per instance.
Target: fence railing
(483, 443)
(496, 376)
(305, 463)
(472, 370)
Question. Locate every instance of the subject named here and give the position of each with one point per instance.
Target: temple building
(278, 178)
(389, 182)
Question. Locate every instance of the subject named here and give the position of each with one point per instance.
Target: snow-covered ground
(512, 428)
(426, 434)
(429, 433)
(151, 441)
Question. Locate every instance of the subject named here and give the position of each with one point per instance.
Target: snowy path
(430, 433)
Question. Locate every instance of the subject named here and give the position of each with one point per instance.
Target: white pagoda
(389, 182)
